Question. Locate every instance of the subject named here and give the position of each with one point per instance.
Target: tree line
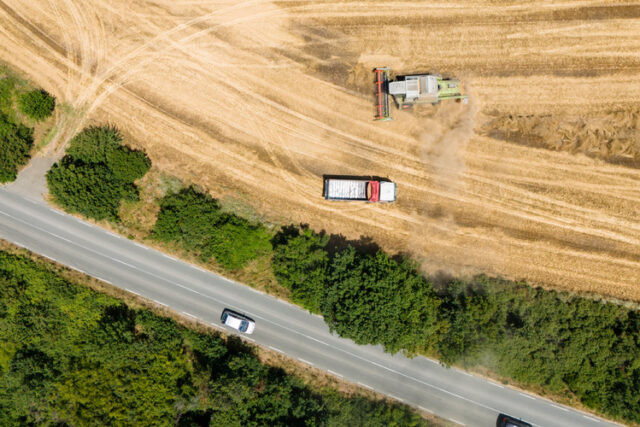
(567, 344)
(72, 356)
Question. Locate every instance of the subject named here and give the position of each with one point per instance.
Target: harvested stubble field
(536, 178)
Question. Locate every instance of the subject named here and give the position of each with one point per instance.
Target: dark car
(507, 421)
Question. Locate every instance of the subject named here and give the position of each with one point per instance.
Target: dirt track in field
(535, 179)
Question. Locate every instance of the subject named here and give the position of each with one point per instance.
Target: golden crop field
(536, 178)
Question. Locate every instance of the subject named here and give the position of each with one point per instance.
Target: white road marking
(334, 373)
(141, 246)
(189, 314)
(464, 373)
(161, 303)
(364, 385)
(527, 396)
(306, 361)
(591, 418)
(455, 421)
(495, 384)
(425, 409)
(560, 407)
(248, 339)
(129, 290)
(276, 349)
(395, 397)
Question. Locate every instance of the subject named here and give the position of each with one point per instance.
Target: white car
(237, 321)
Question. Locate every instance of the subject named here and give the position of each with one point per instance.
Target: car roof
(233, 320)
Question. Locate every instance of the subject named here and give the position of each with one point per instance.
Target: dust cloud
(444, 140)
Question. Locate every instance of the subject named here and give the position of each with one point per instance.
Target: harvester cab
(415, 89)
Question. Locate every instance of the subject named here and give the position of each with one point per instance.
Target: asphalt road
(421, 382)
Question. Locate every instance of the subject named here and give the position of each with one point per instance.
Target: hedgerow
(196, 221)
(568, 344)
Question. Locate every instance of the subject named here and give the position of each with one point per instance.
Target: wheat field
(536, 178)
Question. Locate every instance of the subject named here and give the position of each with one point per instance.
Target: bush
(90, 189)
(72, 356)
(97, 174)
(567, 344)
(196, 221)
(16, 142)
(36, 104)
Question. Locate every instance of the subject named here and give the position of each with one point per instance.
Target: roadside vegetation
(576, 348)
(197, 222)
(97, 174)
(72, 356)
(569, 345)
(20, 108)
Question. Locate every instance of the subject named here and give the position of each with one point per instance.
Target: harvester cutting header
(410, 90)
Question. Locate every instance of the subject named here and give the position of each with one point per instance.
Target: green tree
(97, 174)
(36, 104)
(90, 189)
(301, 265)
(16, 141)
(373, 299)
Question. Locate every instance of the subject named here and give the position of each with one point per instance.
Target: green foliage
(373, 299)
(72, 356)
(93, 144)
(36, 104)
(196, 221)
(301, 266)
(128, 165)
(567, 344)
(7, 89)
(97, 174)
(16, 142)
(90, 189)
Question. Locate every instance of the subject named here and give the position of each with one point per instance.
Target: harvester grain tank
(346, 189)
(414, 89)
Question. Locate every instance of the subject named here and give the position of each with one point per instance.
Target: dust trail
(444, 140)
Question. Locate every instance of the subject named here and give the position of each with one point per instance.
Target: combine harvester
(410, 90)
